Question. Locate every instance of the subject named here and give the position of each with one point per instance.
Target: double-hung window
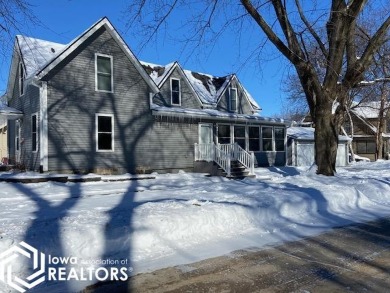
(175, 92)
(34, 132)
(103, 73)
(254, 138)
(224, 134)
(104, 132)
(266, 137)
(279, 139)
(22, 78)
(239, 136)
(233, 100)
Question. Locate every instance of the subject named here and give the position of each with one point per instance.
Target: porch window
(175, 92)
(239, 135)
(279, 139)
(224, 134)
(104, 132)
(266, 137)
(21, 79)
(233, 100)
(34, 132)
(254, 138)
(104, 77)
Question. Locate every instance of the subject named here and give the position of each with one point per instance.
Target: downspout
(43, 133)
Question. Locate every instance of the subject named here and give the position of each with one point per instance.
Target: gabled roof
(35, 53)
(368, 110)
(208, 88)
(40, 57)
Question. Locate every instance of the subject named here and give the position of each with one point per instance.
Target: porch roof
(10, 113)
(213, 114)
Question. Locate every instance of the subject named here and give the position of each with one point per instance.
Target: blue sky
(63, 20)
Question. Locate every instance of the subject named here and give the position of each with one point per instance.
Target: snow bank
(181, 218)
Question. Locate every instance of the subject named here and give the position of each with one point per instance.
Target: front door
(205, 133)
(206, 146)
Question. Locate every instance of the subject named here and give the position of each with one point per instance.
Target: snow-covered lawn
(181, 218)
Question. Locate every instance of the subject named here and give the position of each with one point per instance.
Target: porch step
(238, 171)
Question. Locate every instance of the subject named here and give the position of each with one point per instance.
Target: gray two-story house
(91, 105)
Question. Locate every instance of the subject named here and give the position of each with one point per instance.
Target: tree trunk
(326, 140)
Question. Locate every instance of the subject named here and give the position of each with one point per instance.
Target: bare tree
(290, 27)
(15, 17)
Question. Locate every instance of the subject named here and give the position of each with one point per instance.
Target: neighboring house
(3, 139)
(91, 105)
(365, 117)
(301, 151)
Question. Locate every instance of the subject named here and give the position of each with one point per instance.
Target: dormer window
(103, 72)
(21, 79)
(233, 100)
(175, 92)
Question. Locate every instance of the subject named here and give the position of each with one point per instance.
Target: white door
(205, 133)
(206, 146)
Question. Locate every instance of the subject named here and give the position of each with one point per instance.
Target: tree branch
(311, 30)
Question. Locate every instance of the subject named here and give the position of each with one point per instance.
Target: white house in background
(3, 139)
(300, 147)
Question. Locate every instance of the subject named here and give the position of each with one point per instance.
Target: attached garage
(300, 147)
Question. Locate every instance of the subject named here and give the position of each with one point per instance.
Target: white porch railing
(223, 154)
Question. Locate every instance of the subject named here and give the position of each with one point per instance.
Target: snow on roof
(213, 113)
(9, 113)
(368, 109)
(157, 72)
(208, 87)
(36, 53)
(307, 133)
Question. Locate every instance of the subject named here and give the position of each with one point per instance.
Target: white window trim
(112, 73)
(284, 138)
(37, 132)
(230, 99)
(248, 138)
(17, 136)
(172, 92)
(272, 139)
(230, 131)
(22, 88)
(112, 133)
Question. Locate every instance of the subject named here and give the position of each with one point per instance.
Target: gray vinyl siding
(243, 105)
(188, 98)
(139, 141)
(28, 103)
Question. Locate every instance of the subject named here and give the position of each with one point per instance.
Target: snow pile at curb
(180, 218)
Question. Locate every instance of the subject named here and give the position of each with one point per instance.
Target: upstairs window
(233, 100)
(104, 77)
(22, 78)
(104, 133)
(175, 92)
(34, 132)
